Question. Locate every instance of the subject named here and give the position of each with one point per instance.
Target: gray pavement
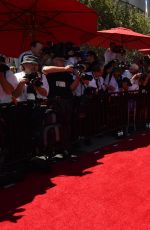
(105, 140)
(96, 143)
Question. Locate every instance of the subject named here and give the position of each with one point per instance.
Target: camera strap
(96, 81)
(83, 87)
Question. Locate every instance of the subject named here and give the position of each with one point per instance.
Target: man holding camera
(62, 85)
(84, 90)
(32, 88)
(31, 76)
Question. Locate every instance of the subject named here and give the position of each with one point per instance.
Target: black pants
(64, 108)
(30, 125)
(23, 130)
(8, 116)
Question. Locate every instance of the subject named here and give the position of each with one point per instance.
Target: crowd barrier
(116, 111)
(91, 115)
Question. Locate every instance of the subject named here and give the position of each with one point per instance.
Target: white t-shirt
(92, 83)
(112, 82)
(4, 97)
(101, 85)
(79, 91)
(135, 85)
(109, 56)
(24, 95)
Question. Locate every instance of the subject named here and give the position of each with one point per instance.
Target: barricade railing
(104, 113)
(97, 114)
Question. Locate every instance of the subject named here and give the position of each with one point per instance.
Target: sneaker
(73, 157)
(69, 155)
(57, 157)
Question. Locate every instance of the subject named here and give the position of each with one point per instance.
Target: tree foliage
(114, 13)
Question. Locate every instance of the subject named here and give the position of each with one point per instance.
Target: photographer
(136, 76)
(83, 98)
(60, 96)
(8, 83)
(111, 81)
(31, 90)
(97, 74)
(30, 66)
(145, 81)
(84, 81)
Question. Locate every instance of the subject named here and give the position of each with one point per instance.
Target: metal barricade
(101, 114)
(93, 115)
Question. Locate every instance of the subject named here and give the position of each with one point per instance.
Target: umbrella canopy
(121, 36)
(144, 51)
(46, 20)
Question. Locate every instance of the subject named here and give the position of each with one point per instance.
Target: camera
(85, 76)
(34, 79)
(79, 69)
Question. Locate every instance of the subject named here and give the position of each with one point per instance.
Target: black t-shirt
(59, 84)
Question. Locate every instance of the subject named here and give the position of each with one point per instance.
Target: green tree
(114, 13)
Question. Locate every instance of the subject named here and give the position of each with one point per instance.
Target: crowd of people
(59, 75)
(113, 75)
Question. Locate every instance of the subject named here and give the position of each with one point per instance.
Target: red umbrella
(122, 36)
(144, 51)
(44, 20)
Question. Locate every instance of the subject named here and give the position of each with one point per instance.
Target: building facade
(143, 5)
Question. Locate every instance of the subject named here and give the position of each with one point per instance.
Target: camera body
(79, 69)
(85, 76)
(34, 79)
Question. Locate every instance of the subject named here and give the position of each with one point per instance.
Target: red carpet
(109, 190)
